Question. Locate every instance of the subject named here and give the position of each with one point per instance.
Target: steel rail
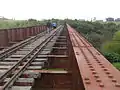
(15, 47)
(16, 75)
(10, 70)
(2, 77)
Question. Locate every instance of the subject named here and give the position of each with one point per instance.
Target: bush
(113, 45)
(4, 24)
(112, 57)
(96, 32)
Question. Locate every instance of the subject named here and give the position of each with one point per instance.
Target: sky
(61, 9)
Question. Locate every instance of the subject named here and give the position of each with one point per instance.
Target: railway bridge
(60, 60)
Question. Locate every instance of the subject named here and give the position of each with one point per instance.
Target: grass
(6, 24)
(117, 65)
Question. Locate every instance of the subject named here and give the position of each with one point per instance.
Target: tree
(114, 45)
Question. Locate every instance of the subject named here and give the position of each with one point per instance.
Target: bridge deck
(60, 60)
(96, 72)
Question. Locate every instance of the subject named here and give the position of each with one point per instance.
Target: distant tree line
(104, 36)
(112, 19)
(9, 23)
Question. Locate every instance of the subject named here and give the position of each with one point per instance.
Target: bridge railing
(10, 36)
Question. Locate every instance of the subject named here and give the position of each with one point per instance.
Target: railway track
(9, 50)
(60, 60)
(16, 61)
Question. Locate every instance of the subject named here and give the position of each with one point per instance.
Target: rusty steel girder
(96, 71)
(13, 35)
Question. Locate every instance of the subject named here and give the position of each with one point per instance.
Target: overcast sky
(44, 9)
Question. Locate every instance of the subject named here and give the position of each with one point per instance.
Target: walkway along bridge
(59, 60)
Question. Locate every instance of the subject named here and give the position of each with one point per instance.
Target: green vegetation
(117, 65)
(112, 57)
(8, 23)
(19, 23)
(105, 36)
(113, 45)
(96, 32)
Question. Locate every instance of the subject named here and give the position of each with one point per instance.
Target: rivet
(105, 69)
(86, 78)
(98, 62)
(95, 58)
(102, 66)
(90, 66)
(110, 76)
(77, 53)
(92, 69)
(114, 80)
(87, 82)
(117, 85)
(96, 76)
(98, 80)
(88, 61)
(101, 85)
(94, 72)
(85, 57)
(107, 72)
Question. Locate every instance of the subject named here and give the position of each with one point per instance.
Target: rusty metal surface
(96, 72)
(3, 38)
(54, 82)
(22, 59)
(58, 74)
(67, 62)
(17, 46)
(8, 36)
